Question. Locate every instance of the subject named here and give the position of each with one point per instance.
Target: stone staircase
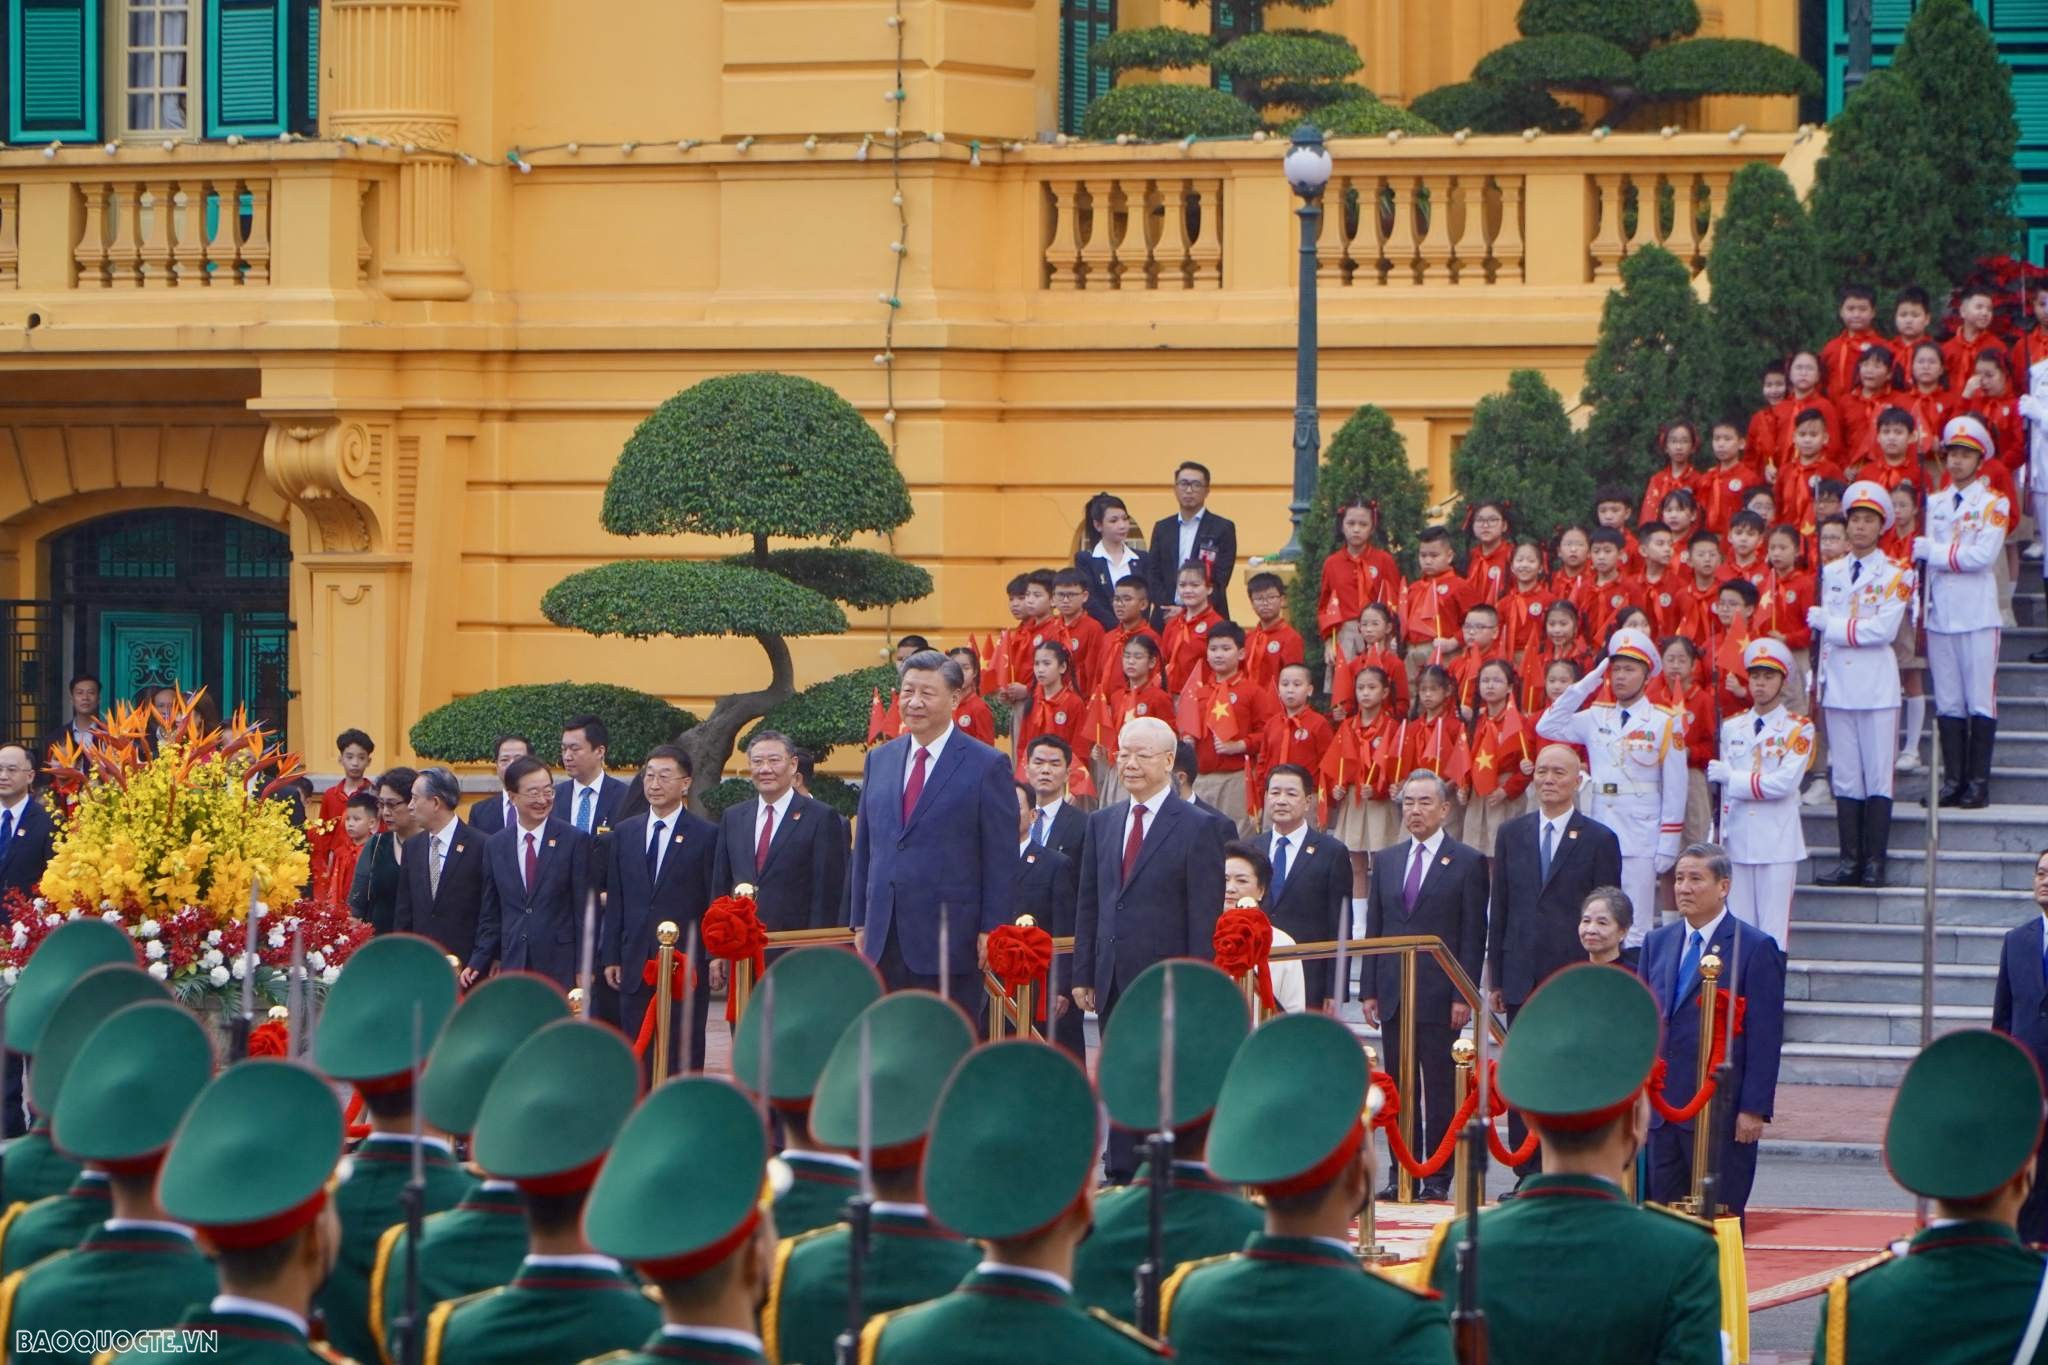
(1853, 981)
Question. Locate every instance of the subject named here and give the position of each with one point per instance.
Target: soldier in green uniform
(1292, 1120)
(131, 1085)
(1011, 1163)
(684, 1201)
(249, 1172)
(1204, 1216)
(1966, 1291)
(1575, 1065)
(816, 993)
(30, 1168)
(30, 1232)
(366, 1038)
(547, 1123)
(915, 1039)
(480, 1242)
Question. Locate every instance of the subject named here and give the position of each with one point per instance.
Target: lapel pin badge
(1571, 834)
(551, 843)
(1445, 860)
(458, 848)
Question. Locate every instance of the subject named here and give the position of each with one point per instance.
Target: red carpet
(1793, 1253)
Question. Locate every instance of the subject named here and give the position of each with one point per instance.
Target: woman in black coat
(1106, 556)
(373, 895)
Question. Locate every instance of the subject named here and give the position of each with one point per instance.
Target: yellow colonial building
(322, 321)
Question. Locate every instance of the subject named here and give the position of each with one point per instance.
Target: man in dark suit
(1151, 887)
(1310, 890)
(494, 811)
(589, 796)
(1195, 533)
(790, 847)
(537, 875)
(1046, 889)
(441, 869)
(1750, 958)
(1056, 823)
(1429, 883)
(2020, 1007)
(27, 835)
(935, 842)
(661, 861)
(80, 716)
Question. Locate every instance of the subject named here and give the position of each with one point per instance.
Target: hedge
(1633, 25)
(1261, 57)
(1486, 107)
(755, 454)
(1722, 66)
(840, 795)
(1370, 118)
(1162, 112)
(1567, 60)
(464, 730)
(1152, 49)
(862, 579)
(640, 598)
(828, 714)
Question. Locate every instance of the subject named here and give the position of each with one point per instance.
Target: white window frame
(118, 49)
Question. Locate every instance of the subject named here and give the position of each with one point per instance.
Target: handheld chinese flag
(1331, 617)
(875, 717)
(892, 719)
(1187, 710)
(1458, 763)
(1097, 727)
(1000, 663)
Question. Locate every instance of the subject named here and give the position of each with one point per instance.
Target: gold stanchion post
(1462, 1055)
(1703, 1122)
(1369, 1249)
(1405, 1184)
(665, 935)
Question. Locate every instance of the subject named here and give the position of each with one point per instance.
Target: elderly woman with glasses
(373, 896)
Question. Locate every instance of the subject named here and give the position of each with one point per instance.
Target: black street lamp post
(1308, 169)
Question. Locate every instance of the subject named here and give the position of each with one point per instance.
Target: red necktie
(767, 831)
(1135, 842)
(532, 863)
(916, 783)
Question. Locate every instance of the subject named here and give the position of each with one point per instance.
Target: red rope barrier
(1419, 1170)
(1688, 1111)
(678, 985)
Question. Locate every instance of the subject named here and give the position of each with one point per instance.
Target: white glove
(1717, 771)
(1817, 618)
(1919, 547)
(2032, 408)
(1665, 861)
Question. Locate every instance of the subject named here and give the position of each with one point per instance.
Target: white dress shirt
(1048, 813)
(596, 790)
(257, 1308)
(1150, 805)
(773, 813)
(18, 810)
(1119, 569)
(1189, 527)
(1557, 825)
(1044, 1277)
(668, 836)
(931, 764)
(1429, 849)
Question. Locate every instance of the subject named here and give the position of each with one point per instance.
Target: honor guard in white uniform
(1765, 753)
(1863, 602)
(1635, 753)
(1966, 529)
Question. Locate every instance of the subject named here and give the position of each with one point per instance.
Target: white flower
(262, 909)
(40, 903)
(276, 937)
(212, 958)
(20, 935)
(159, 970)
(149, 928)
(106, 905)
(240, 963)
(154, 951)
(53, 919)
(316, 961)
(218, 976)
(9, 974)
(213, 938)
(111, 916)
(328, 975)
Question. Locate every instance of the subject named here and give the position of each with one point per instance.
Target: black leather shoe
(1390, 1195)
(1435, 1192)
(1974, 796)
(2039, 656)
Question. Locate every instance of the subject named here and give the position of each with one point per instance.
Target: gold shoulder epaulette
(771, 1307)
(608, 1355)
(1420, 1291)
(1873, 1263)
(1124, 1329)
(1429, 1253)
(1679, 1215)
(1171, 1288)
(871, 1334)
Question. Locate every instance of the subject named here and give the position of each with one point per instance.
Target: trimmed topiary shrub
(1522, 448)
(1370, 118)
(1881, 154)
(465, 730)
(1633, 26)
(1772, 293)
(862, 579)
(828, 714)
(1152, 49)
(1560, 61)
(1722, 66)
(1485, 107)
(1163, 112)
(641, 598)
(1654, 361)
(1951, 61)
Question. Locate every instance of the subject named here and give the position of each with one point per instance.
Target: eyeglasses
(15, 768)
(390, 802)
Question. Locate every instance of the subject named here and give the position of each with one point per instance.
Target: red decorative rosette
(271, 1038)
(1020, 955)
(733, 933)
(1243, 941)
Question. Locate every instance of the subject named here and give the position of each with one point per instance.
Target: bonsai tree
(1521, 448)
(1630, 53)
(757, 456)
(1950, 60)
(1652, 362)
(1772, 293)
(1881, 154)
(466, 729)
(1365, 459)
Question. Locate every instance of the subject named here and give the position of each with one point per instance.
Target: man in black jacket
(1196, 533)
(661, 861)
(1429, 883)
(790, 847)
(1311, 886)
(441, 871)
(1056, 823)
(537, 875)
(493, 811)
(1046, 891)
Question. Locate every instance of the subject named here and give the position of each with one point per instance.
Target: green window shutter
(1083, 24)
(245, 67)
(53, 70)
(303, 63)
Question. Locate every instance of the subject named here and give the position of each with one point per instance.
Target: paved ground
(1830, 1113)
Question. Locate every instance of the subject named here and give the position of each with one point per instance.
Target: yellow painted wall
(432, 365)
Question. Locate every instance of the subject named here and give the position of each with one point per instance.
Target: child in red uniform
(359, 820)
(1503, 756)
(1486, 565)
(1897, 543)
(1131, 605)
(1221, 763)
(1298, 734)
(1074, 629)
(1929, 399)
(1705, 573)
(1802, 373)
(1482, 639)
(1680, 441)
(1137, 693)
(1746, 547)
(1056, 708)
(1994, 404)
(1861, 406)
(1186, 643)
(1765, 441)
(1610, 591)
(1782, 603)
(1561, 641)
(1680, 515)
(1663, 594)
(2032, 348)
(1694, 705)
(1358, 572)
(972, 714)
(1841, 358)
(1436, 603)
(355, 748)
(1272, 644)
(1523, 604)
(1616, 510)
(1033, 629)
(1972, 339)
(1910, 316)
(1720, 488)
(1382, 649)
(1430, 737)
(1572, 552)
(1894, 463)
(1356, 768)
(1810, 463)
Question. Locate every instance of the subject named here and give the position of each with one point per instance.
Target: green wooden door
(148, 649)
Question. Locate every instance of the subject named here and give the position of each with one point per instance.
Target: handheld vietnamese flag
(875, 717)
(1079, 783)
(1001, 662)
(1331, 617)
(1728, 658)
(1098, 727)
(1220, 719)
